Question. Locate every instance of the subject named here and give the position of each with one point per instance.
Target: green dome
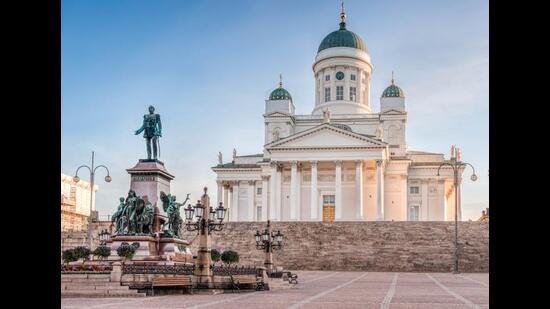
(280, 94)
(343, 38)
(393, 92)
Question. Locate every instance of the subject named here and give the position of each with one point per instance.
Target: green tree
(126, 251)
(215, 255)
(230, 256)
(102, 252)
(83, 253)
(69, 256)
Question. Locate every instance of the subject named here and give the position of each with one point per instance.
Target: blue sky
(208, 66)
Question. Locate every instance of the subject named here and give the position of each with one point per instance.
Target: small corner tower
(393, 97)
(279, 114)
(279, 100)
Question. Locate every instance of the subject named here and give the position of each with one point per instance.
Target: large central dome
(343, 38)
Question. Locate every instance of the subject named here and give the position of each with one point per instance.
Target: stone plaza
(328, 289)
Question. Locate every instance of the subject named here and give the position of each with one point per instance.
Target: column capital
(252, 182)
(219, 182)
(313, 163)
(235, 182)
(293, 163)
(265, 177)
(274, 164)
(338, 163)
(358, 163)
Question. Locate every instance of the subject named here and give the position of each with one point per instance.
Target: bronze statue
(172, 209)
(152, 130)
(118, 219)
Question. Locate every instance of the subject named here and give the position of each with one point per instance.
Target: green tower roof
(280, 93)
(393, 91)
(343, 37)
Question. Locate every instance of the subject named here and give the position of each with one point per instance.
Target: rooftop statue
(152, 130)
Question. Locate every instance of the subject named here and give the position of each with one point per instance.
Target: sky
(208, 66)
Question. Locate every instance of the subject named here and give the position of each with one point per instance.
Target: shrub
(82, 252)
(69, 256)
(126, 251)
(102, 252)
(230, 256)
(215, 255)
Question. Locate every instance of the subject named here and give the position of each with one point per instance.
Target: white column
(338, 195)
(346, 83)
(299, 192)
(226, 197)
(273, 192)
(424, 205)
(293, 178)
(314, 194)
(359, 80)
(379, 190)
(229, 203)
(442, 203)
(359, 189)
(264, 197)
(220, 192)
(235, 202)
(278, 193)
(251, 198)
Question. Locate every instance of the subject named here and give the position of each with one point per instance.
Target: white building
(343, 162)
(79, 193)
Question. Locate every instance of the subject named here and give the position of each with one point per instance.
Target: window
(352, 77)
(413, 213)
(327, 77)
(352, 94)
(259, 213)
(414, 190)
(327, 94)
(339, 93)
(328, 200)
(259, 191)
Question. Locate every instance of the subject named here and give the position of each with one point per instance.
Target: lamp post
(92, 175)
(456, 164)
(104, 236)
(207, 220)
(268, 241)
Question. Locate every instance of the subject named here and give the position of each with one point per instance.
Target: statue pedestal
(150, 248)
(148, 178)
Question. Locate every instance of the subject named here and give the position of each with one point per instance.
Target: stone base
(149, 249)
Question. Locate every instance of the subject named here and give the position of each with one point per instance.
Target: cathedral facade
(342, 162)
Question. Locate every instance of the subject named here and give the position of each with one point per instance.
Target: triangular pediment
(326, 136)
(277, 114)
(393, 112)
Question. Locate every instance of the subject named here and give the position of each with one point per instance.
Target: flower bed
(86, 268)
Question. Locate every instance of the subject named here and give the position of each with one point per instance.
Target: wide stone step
(98, 293)
(85, 276)
(95, 287)
(85, 279)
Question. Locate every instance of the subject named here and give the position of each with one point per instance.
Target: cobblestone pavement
(326, 289)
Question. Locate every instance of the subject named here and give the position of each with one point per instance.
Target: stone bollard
(116, 273)
(264, 272)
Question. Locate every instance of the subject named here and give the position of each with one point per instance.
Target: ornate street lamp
(104, 236)
(456, 164)
(268, 241)
(76, 179)
(205, 223)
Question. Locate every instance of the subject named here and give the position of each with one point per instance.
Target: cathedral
(342, 162)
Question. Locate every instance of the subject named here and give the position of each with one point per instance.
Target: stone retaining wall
(350, 246)
(365, 246)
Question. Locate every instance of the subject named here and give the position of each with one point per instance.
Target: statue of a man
(220, 158)
(118, 217)
(152, 130)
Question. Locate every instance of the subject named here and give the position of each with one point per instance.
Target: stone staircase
(94, 285)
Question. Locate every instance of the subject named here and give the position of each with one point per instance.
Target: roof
(342, 38)
(280, 94)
